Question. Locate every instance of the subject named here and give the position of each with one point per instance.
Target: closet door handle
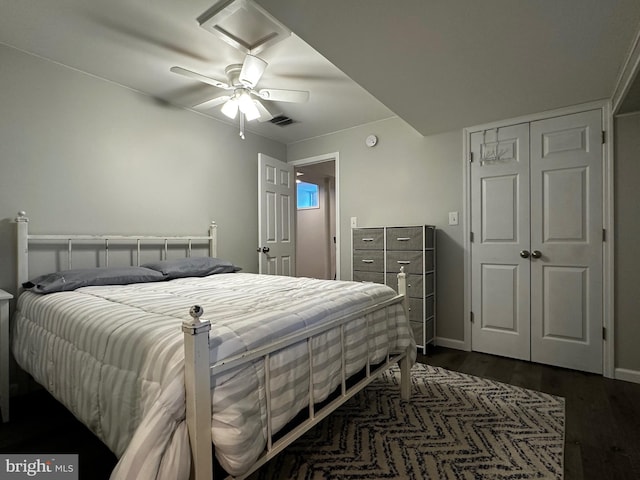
(524, 253)
(536, 254)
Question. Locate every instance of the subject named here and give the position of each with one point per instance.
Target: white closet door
(499, 251)
(566, 228)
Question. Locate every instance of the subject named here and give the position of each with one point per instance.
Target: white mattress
(113, 355)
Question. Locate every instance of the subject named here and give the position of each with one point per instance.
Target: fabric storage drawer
(414, 284)
(430, 330)
(430, 283)
(374, 277)
(429, 237)
(430, 300)
(417, 328)
(404, 238)
(416, 313)
(428, 260)
(411, 261)
(368, 261)
(368, 239)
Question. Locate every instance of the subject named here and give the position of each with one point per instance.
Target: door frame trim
(328, 157)
(608, 345)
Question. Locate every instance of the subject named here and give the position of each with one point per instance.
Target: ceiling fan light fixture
(252, 113)
(230, 108)
(248, 106)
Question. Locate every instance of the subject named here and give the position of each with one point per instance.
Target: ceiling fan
(243, 95)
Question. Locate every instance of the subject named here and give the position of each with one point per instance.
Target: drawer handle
(403, 239)
(367, 239)
(367, 261)
(403, 262)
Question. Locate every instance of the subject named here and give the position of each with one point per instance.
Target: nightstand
(4, 354)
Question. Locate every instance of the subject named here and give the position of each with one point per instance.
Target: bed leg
(405, 365)
(405, 377)
(198, 393)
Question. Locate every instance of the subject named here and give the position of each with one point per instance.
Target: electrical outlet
(453, 218)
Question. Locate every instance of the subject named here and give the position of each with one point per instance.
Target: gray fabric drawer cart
(379, 252)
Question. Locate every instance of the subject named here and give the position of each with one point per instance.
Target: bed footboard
(198, 381)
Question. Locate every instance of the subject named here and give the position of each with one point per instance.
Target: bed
(162, 369)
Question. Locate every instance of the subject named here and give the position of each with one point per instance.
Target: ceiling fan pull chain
(241, 125)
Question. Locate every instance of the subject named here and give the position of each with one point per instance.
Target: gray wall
(627, 233)
(410, 179)
(78, 153)
(406, 179)
(84, 155)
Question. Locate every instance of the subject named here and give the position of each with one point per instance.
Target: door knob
(263, 250)
(524, 253)
(536, 254)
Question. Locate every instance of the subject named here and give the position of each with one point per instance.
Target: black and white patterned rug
(456, 426)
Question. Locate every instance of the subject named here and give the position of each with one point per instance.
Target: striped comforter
(113, 355)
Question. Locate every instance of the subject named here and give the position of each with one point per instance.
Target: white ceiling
(135, 42)
(439, 64)
(445, 64)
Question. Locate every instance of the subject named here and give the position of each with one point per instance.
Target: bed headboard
(24, 239)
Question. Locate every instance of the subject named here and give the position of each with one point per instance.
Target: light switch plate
(453, 218)
(354, 222)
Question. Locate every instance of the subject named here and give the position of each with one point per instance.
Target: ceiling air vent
(281, 120)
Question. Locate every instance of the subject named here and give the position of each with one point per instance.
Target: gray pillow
(192, 267)
(84, 277)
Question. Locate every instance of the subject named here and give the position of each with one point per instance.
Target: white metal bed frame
(198, 371)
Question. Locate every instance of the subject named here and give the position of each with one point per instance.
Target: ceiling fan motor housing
(233, 74)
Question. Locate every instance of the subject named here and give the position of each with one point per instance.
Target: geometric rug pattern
(456, 426)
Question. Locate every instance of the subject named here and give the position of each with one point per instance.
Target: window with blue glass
(307, 195)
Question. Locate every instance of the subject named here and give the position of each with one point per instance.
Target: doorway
(317, 230)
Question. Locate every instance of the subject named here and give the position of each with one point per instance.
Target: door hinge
(470, 157)
(604, 234)
(471, 236)
(471, 317)
(604, 333)
(604, 137)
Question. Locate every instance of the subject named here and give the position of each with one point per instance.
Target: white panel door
(499, 252)
(276, 203)
(536, 255)
(566, 239)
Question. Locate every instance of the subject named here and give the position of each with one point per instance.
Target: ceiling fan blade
(295, 96)
(252, 70)
(202, 78)
(265, 113)
(213, 102)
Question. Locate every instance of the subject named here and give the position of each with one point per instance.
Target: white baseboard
(451, 343)
(627, 375)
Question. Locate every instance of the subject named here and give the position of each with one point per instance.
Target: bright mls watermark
(45, 466)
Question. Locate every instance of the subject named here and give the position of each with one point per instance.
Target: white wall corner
(627, 74)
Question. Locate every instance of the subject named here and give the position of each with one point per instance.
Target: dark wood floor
(602, 418)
